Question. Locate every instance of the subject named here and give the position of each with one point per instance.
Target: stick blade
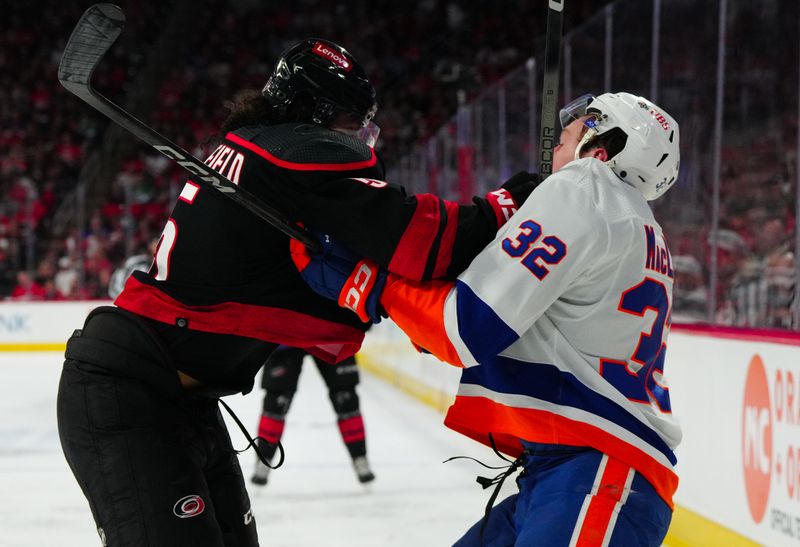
(96, 31)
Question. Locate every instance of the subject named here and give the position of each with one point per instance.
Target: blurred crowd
(755, 243)
(419, 54)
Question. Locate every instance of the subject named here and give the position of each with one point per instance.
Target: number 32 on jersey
(547, 250)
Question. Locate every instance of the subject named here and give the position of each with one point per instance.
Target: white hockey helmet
(650, 157)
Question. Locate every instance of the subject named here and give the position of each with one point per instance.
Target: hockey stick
(95, 33)
(552, 63)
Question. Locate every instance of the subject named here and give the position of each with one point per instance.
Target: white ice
(314, 499)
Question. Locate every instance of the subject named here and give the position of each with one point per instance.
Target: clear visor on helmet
(350, 123)
(575, 110)
(369, 134)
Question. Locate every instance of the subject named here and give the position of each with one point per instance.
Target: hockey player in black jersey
(137, 407)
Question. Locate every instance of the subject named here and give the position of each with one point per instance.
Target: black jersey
(222, 278)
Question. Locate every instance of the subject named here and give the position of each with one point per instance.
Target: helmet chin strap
(591, 132)
(586, 138)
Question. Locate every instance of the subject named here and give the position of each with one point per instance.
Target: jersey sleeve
(338, 188)
(419, 236)
(551, 241)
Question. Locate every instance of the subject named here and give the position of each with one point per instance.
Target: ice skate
(363, 471)
(260, 474)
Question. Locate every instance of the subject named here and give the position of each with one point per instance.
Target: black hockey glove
(339, 274)
(505, 201)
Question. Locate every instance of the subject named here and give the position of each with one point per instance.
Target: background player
(560, 325)
(279, 379)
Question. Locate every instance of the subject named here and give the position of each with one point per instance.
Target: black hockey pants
(156, 463)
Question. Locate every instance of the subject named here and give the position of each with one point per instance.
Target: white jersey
(561, 324)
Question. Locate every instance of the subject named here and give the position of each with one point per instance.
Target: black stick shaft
(552, 64)
(93, 36)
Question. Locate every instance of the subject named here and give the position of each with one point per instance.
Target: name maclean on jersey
(658, 258)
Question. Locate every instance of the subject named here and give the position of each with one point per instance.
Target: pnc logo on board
(757, 438)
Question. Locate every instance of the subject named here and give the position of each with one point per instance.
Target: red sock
(271, 429)
(352, 429)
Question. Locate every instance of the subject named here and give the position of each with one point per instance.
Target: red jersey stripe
(447, 242)
(415, 245)
(295, 166)
(608, 491)
(327, 340)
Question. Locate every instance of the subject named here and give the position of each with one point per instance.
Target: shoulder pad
(307, 144)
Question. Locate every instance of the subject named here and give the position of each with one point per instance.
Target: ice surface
(314, 499)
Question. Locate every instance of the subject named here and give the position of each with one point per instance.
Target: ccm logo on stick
(194, 168)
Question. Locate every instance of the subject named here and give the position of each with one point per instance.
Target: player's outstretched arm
(418, 236)
(508, 286)
(360, 285)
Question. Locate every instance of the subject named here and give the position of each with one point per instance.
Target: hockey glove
(339, 274)
(505, 201)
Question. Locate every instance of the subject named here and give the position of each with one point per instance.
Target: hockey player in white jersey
(561, 326)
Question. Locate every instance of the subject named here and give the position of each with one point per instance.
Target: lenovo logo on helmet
(327, 52)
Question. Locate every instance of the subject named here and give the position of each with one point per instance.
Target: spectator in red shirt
(27, 288)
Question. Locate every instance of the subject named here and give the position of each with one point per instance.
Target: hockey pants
(155, 463)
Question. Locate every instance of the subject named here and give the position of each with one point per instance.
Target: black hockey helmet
(315, 79)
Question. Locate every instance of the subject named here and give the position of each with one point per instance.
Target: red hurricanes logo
(189, 506)
(324, 50)
(757, 439)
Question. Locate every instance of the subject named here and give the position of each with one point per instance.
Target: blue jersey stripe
(548, 383)
(479, 327)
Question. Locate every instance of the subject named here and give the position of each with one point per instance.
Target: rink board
(735, 393)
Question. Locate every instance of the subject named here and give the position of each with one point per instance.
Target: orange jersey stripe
(418, 309)
(476, 417)
(606, 494)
